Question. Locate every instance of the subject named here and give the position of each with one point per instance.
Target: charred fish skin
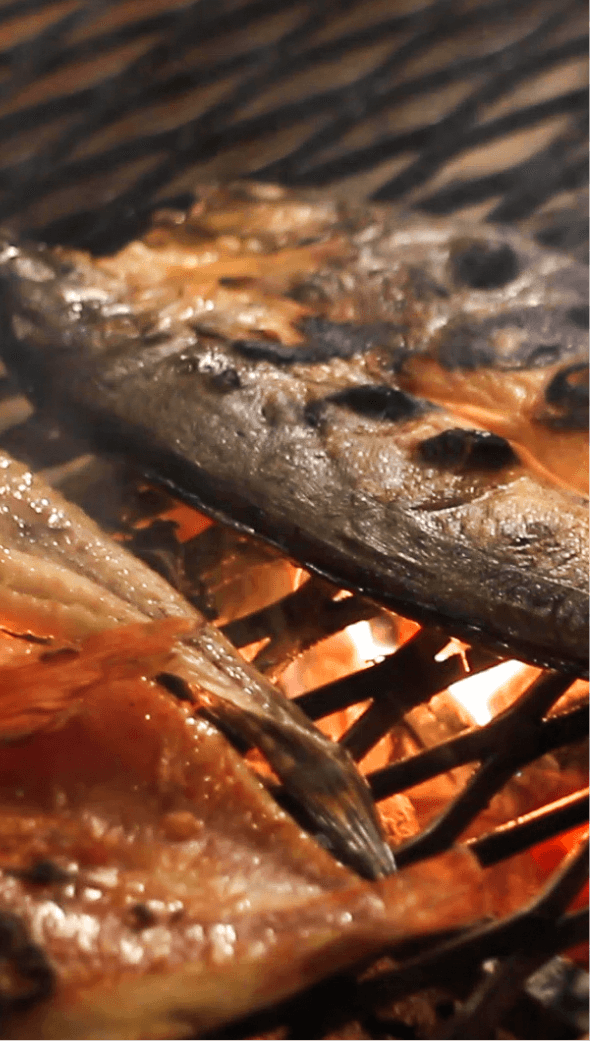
(265, 359)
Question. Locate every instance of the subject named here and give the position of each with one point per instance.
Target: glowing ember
(370, 641)
(480, 694)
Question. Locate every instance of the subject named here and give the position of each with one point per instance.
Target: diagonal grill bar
(496, 938)
(477, 744)
(531, 828)
(497, 768)
(495, 995)
(297, 621)
(378, 680)
(416, 659)
(166, 67)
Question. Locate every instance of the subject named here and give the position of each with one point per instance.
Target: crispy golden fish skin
(150, 887)
(303, 369)
(58, 567)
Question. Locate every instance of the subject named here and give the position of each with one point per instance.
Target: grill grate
(108, 108)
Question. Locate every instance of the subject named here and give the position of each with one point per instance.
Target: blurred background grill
(112, 108)
(108, 105)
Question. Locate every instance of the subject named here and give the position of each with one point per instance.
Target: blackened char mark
(526, 338)
(484, 265)
(568, 394)
(29, 977)
(175, 686)
(225, 381)
(142, 916)
(580, 316)
(467, 450)
(41, 873)
(372, 401)
(378, 401)
(325, 340)
(544, 354)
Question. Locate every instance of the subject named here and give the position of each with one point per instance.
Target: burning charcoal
(316, 450)
(238, 574)
(296, 622)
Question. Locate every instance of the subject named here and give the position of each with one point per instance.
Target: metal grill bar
(494, 939)
(532, 828)
(174, 65)
(476, 744)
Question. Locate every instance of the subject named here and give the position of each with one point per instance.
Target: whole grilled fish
(397, 404)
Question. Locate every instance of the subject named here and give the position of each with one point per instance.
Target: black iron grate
(108, 105)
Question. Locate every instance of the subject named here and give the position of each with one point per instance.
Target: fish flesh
(61, 578)
(398, 403)
(150, 887)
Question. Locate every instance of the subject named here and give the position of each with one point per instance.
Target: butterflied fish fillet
(400, 406)
(60, 577)
(150, 887)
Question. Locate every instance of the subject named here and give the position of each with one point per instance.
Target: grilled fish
(398, 404)
(61, 578)
(149, 885)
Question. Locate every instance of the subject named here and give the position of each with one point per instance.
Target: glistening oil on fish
(390, 402)
(61, 578)
(150, 885)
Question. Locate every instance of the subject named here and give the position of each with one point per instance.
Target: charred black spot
(378, 401)
(241, 282)
(313, 411)
(226, 380)
(325, 340)
(26, 637)
(142, 916)
(569, 386)
(41, 873)
(543, 354)
(267, 350)
(29, 977)
(308, 293)
(484, 265)
(60, 655)
(155, 338)
(175, 686)
(467, 450)
(580, 316)
(568, 394)
(184, 365)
